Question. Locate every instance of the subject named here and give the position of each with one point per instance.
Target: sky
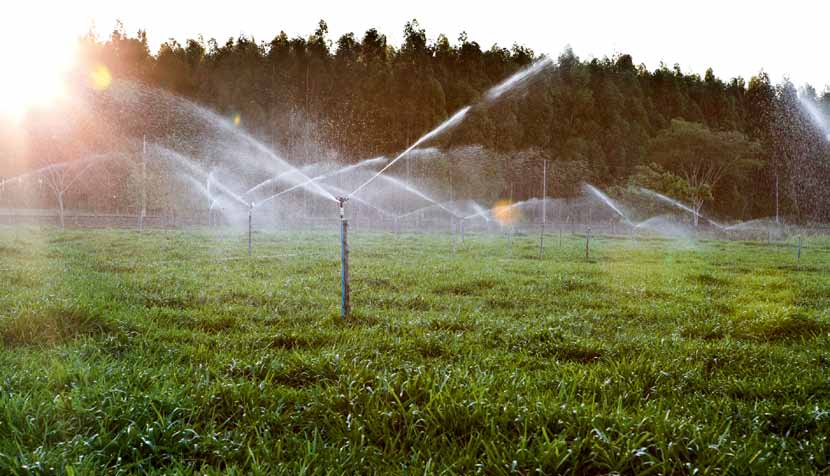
(736, 38)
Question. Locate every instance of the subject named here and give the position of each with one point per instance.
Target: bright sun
(34, 68)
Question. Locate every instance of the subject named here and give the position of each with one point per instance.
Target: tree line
(737, 148)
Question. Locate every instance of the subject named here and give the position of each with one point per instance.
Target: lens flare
(237, 119)
(100, 77)
(505, 212)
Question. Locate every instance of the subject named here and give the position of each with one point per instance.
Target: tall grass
(172, 353)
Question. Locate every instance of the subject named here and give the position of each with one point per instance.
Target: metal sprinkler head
(342, 201)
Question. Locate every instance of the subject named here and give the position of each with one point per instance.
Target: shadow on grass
(791, 328)
(53, 326)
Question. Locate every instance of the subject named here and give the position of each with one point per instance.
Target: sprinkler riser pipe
(588, 243)
(345, 290)
(544, 210)
(453, 231)
(251, 230)
(345, 305)
(143, 184)
(799, 249)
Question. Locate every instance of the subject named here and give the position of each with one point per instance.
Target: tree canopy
(736, 142)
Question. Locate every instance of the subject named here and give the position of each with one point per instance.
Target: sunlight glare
(505, 212)
(101, 77)
(36, 59)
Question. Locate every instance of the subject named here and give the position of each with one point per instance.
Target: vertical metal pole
(210, 202)
(544, 209)
(799, 248)
(143, 183)
(588, 243)
(15, 219)
(250, 229)
(345, 303)
(452, 231)
(511, 218)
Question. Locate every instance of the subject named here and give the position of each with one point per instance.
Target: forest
(737, 148)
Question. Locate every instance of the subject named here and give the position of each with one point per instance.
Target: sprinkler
(345, 303)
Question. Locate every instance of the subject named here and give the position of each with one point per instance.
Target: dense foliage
(747, 148)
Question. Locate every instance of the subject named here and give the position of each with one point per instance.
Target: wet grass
(52, 326)
(173, 353)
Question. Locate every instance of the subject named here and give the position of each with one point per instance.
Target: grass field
(172, 353)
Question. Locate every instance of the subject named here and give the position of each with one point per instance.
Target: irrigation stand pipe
(588, 243)
(544, 210)
(143, 184)
(251, 229)
(452, 231)
(345, 302)
(798, 256)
